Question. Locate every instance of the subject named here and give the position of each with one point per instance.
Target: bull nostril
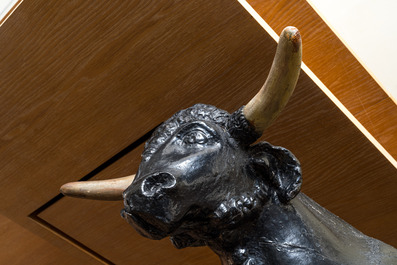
(153, 184)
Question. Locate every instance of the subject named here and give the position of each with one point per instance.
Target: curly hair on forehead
(198, 112)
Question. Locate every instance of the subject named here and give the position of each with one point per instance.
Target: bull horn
(106, 190)
(263, 109)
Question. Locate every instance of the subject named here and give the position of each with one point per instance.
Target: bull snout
(155, 184)
(143, 209)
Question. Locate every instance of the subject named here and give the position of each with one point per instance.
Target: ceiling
(84, 83)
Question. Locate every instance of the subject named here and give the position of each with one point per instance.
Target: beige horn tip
(107, 190)
(267, 104)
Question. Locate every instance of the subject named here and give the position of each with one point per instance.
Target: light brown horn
(106, 190)
(263, 109)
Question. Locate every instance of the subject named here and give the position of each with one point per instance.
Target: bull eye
(195, 137)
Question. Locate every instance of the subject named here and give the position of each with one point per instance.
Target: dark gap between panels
(101, 167)
(109, 162)
(70, 239)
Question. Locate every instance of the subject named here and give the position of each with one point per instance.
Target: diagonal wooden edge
(9, 13)
(352, 52)
(326, 91)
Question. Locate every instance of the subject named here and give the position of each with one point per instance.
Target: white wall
(369, 29)
(5, 6)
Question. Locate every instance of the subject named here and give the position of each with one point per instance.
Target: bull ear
(279, 168)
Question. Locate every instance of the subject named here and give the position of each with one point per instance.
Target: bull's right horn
(107, 190)
(263, 109)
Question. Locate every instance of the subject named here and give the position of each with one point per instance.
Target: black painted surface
(201, 182)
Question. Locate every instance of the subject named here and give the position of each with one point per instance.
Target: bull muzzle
(143, 196)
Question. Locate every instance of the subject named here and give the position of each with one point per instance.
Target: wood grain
(377, 119)
(82, 80)
(19, 246)
(335, 65)
(88, 79)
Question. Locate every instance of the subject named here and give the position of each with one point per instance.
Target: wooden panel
(19, 246)
(81, 80)
(341, 73)
(378, 118)
(333, 63)
(342, 171)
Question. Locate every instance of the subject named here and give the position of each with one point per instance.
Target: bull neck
(275, 237)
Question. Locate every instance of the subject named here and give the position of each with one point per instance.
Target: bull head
(200, 166)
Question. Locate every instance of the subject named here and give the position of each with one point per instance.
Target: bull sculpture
(203, 182)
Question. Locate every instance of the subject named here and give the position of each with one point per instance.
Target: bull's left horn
(263, 109)
(107, 190)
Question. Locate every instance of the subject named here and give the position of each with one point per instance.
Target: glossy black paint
(201, 182)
